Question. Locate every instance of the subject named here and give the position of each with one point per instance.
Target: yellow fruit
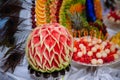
(116, 38)
(76, 8)
(98, 9)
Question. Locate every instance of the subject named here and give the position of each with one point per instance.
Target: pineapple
(76, 21)
(80, 26)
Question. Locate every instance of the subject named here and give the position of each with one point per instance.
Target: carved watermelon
(49, 48)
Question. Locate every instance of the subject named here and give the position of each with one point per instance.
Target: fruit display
(94, 51)
(49, 49)
(73, 16)
(81, 27)
(71, 6)
(47, 11)
(100, 25)
(68, 13)
(116, 38)
(56, 33)
(112, 20)
(40, 12)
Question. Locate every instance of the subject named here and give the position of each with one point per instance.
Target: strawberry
(75, 57)
(108, 46)
(82, 59)
(87, 59)
(114, 14)
(109, 59)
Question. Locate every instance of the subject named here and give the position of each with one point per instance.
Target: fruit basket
(93, 52)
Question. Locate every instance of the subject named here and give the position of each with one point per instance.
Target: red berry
(75, 57)
(33, 12)
(109, 59)
(82, 60)
(33, 9)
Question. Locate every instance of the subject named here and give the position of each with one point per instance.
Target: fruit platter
(112, 20)
(91, 51)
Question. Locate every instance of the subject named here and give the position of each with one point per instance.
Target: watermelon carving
(49, 48)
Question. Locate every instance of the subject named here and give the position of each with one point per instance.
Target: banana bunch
(116, 38)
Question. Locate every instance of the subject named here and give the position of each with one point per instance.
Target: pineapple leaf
(77, 21)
